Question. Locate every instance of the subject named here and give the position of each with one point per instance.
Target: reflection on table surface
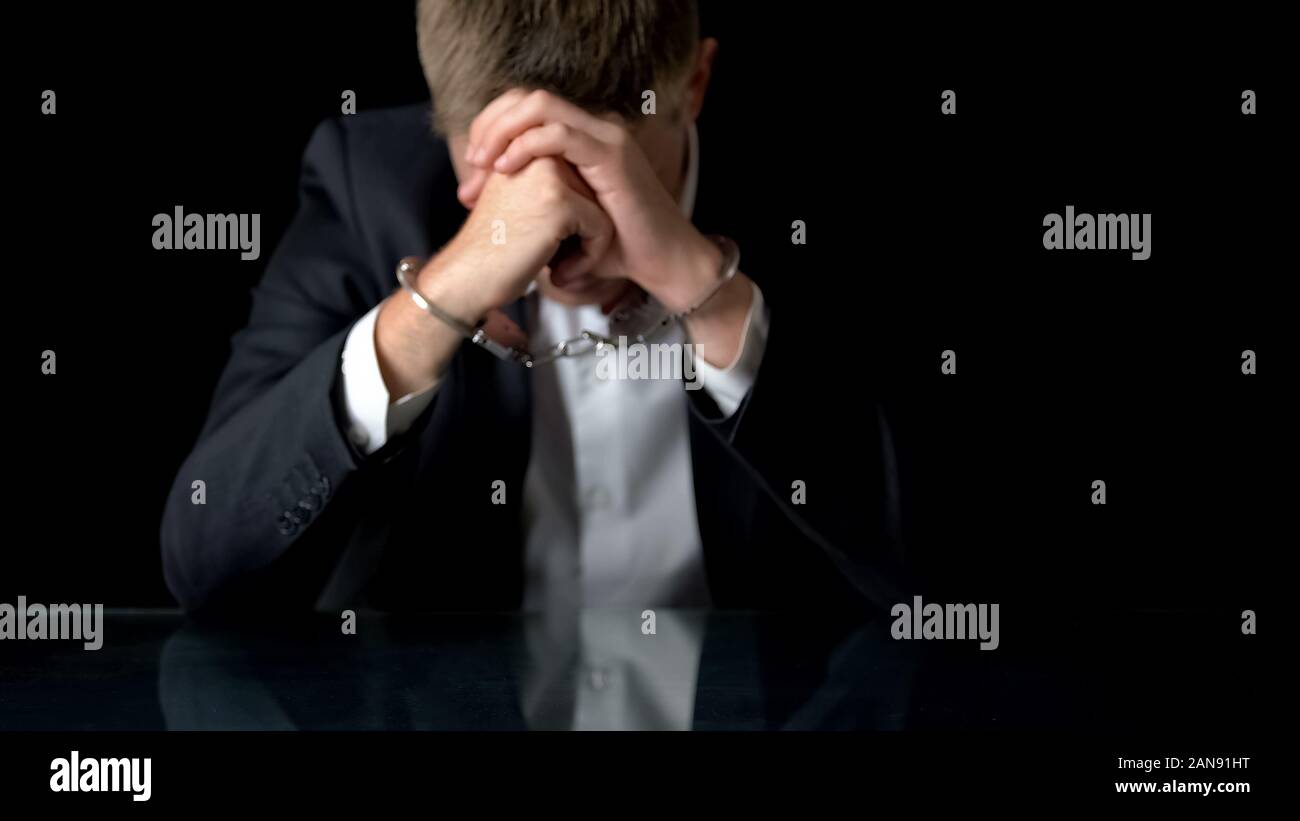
(597, 669)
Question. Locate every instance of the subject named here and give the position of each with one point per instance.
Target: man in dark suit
(416, 447)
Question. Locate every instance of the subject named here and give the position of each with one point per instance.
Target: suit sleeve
(816, 445)
(272, 454)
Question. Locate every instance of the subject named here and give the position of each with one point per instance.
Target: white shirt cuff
(372, 418)
(727, 386)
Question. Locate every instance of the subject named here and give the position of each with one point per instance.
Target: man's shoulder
(372, 141)
(408, 125)
(388, 169)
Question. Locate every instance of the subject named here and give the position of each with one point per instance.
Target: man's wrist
(442, 282)
(728, 305)
(413, 347)
(696, 278)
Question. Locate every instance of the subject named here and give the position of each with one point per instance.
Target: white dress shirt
(609, 499)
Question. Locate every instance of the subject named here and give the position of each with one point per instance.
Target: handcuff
(639, 317)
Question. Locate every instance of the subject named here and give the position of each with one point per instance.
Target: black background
(925, 233)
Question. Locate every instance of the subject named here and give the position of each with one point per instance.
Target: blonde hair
(601, 55)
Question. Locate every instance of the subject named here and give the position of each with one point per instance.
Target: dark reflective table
(599, 670)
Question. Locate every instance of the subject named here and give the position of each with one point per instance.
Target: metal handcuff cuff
(638, 318)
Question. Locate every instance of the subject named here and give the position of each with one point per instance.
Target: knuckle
(537, 100)
(620, 141)
(552, 191)
(536, 169)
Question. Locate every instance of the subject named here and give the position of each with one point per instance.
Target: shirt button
(597, 498)
(360, 438)
(597, 679)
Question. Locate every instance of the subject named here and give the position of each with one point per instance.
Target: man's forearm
(718, 325)
(413, 347)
